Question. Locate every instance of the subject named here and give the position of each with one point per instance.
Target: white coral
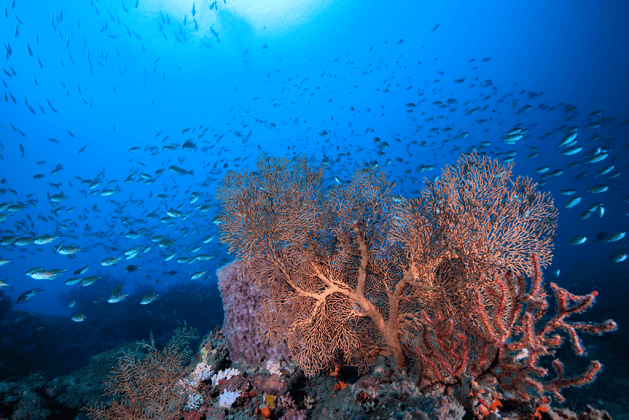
(188, 385)
(224, 374)
(227, 398)
(201, 373)
(195, 400)
(273, 367)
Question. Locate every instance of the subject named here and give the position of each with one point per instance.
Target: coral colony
(356, 271)
(437, 300)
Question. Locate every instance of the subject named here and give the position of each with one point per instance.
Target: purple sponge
(241, 303)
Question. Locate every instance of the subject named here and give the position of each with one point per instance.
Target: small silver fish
(149, 298)
(596, 189)
(572, 151)
(109, 261)
(78, 317)
(89, 280)
(616, 236)
(198, 275)
(577, 240)
(117, 297)
(572, 202)
(26, 296)
(179, 171)
(568, 192)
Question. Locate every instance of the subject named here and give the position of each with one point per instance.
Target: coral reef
(356, 304)
(291, 395)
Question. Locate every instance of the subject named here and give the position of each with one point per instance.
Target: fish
(43, 274)
(109, 261)
(81, 271)
(131, 268)
(577, 240)
(218, 40)
(198, 275)
(607, 169)
(569, 138)
(73, 281)
(189, 145)
(45, 239)
(119, 297)
(87, 281)
(78, 317)
(601, 236)
(616, 236)
(4, 285)
(596, 189)
(51, 107)
(179, 171)
(572, 151)
(572, 202)
(149, 298)
(174, 213)
(26, 296)
(596, 158)
(23, 241)
(618, 257)
(600, 211)
(68, 250)
(4, 261)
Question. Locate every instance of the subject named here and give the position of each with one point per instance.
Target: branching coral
(355, 272)
(148, 387)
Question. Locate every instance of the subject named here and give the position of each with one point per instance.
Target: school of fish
(177, 225)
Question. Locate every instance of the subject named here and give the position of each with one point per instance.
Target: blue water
(321, 79)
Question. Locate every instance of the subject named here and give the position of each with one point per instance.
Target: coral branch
(517, 368)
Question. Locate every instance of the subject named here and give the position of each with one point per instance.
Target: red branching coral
(516, 366)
